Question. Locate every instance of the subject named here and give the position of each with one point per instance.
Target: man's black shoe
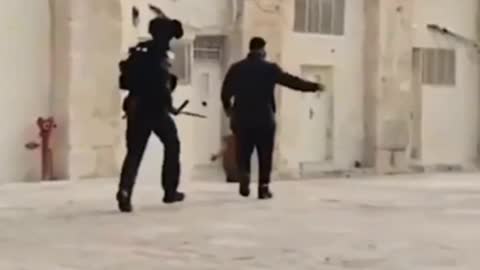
(264, 193)
(231, 180)
(174, 197)
(124, 204)
(244, 189)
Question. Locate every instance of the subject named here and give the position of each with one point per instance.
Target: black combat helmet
(165, 29)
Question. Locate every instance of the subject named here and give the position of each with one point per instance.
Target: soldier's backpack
(134, 70)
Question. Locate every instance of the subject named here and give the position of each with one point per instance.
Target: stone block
(391, 162)
(401, 161)
(106, 166)
(88, 38)
(382, 162)
(394, 134)
(82, 163)
(94, 132)
(61, 162)
(119, 154)
(104, 133)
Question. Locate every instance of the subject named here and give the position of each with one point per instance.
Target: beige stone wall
(449, 113)
(61, 12)
(24, 84)
(389, 43)
(374, 124)
(374, 57)
(87, 49)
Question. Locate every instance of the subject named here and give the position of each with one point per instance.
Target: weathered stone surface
(87, 96)
(82, 163)
(408, 222)
(389, 42)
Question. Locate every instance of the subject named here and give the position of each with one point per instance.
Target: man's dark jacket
(251, 83)
(154, 94)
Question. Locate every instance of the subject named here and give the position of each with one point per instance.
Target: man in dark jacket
(251, 84)
(148, 107)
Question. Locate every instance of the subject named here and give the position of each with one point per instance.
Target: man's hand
(173, 111)
(320, 87)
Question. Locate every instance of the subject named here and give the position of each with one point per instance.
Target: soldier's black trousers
(140, 124)
(255, 138)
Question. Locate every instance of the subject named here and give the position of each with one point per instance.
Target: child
(228, 153)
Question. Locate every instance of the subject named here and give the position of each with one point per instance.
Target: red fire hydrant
(46, 126)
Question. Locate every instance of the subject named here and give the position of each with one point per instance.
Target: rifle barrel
(194, 114)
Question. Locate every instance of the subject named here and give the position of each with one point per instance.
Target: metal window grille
(320, 16)
(208, 48)
(438, 66)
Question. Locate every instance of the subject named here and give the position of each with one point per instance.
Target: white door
(24, 84)
(444, 130)
(317, 118)
(208, 132)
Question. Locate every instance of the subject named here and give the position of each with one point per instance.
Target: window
(181, 65)
(208, 48)
(320, 16)
(438, 66)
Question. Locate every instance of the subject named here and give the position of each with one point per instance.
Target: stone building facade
(399, 96)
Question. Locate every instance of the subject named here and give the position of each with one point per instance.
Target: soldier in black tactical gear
(251, 84)
(145, 74)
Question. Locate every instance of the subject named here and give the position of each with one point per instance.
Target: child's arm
(220, 153)
(217, 156)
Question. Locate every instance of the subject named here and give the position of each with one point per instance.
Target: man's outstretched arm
(296, 83)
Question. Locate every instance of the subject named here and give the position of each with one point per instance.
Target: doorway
(207, 82)
(435, 88)
(317, 119)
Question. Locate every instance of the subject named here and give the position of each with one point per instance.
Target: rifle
(173, 86)
(194, 114)
(180, 111)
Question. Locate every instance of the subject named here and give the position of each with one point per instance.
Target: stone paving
(407, 222)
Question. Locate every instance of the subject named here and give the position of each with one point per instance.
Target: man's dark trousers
(250, 138)
(141, 122)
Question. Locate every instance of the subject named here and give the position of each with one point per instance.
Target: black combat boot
(244, 185)
(231, 179)
(264, 192)
(244, 188)
(124, 203)
(173, 197)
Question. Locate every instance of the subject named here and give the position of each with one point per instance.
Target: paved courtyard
(407, 222)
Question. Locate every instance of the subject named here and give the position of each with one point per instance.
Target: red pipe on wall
(46, 126)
